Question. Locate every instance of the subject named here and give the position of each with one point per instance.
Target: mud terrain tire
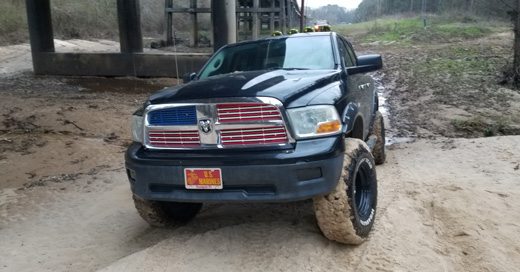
(347, 214)
(378, 130)
(165, 214)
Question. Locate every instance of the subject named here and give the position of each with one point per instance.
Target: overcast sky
(349, 4)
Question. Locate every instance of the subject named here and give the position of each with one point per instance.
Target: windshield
(288, 53)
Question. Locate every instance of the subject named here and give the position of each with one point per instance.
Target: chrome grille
(237, 122)
(253, 136)
(174, 138)
(247, 112)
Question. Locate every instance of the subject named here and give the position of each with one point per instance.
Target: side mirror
(365, 64)
(188, 77)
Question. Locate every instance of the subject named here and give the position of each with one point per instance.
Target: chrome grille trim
(264, 127)
(240, 112)
(173, 138)
(250, 131)
(267, 135)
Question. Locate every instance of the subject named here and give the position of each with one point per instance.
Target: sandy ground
(445, 204)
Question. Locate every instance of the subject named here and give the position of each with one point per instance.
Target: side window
(343, 51)
(351, 53)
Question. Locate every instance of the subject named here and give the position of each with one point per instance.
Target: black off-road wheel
(165, 214)
(346, 215)
(378, 130)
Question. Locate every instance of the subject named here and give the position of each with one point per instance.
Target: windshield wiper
(296, 68)
(287, 69)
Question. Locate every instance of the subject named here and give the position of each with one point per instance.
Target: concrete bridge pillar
(129, 17)
(40, 29)
(223, 17)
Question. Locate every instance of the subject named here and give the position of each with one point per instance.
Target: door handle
(364, 86)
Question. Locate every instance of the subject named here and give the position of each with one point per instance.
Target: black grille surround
(217, 124)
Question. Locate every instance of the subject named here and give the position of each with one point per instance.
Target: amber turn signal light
(329, 127)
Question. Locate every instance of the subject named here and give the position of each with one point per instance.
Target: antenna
(175, 54)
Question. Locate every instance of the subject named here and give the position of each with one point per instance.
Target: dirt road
(445, 204)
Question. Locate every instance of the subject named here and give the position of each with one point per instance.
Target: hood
(291, 87)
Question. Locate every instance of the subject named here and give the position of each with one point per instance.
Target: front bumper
(311, 168)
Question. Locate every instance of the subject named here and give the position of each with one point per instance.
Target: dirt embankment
(445, 204)
(451, 89)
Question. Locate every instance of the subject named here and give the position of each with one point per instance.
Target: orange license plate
(203, 178)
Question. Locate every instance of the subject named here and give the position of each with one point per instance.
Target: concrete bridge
(252, 17)
(229, 19)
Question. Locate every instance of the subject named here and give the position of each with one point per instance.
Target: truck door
(359, 87)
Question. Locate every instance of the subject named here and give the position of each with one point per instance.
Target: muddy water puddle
(384, 108)
(120, 85)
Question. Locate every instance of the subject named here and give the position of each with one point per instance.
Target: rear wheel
(165, 214)
(347, 214)
(378, 130)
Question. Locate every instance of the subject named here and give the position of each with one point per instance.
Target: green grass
(13, 21)
(486, 126)
(10, 18)
(473, 124)
(412, 31)
(458, 30)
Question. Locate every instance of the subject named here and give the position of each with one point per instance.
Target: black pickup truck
(284, 118)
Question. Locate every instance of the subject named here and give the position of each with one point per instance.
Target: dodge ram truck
(283, 118)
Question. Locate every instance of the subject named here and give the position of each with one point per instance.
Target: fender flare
(348, 117)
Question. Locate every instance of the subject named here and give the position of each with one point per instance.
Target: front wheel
(165, 214)
(347, 214)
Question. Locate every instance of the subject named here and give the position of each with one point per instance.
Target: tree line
(332, 13)
(371, 9)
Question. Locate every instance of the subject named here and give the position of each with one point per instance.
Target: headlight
(314, 121)
(137, 128)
